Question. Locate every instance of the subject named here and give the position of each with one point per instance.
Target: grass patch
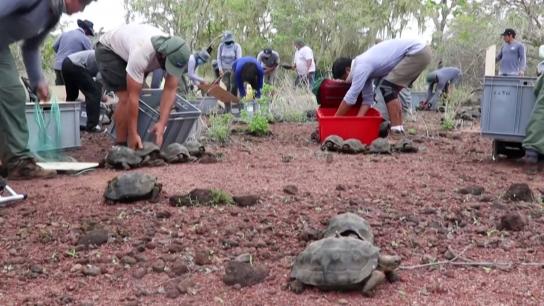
(221, 197)
(219, 128)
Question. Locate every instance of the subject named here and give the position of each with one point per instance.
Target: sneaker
(26, 169)
(97, 129)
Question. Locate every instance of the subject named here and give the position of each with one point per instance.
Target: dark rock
(37, 269)
(246, 201)
(165, 214)
(195, 197)
(179, 268)
(202, 258)
(519, 192)
(158, 266)
(340, 188)
(512, 221)
(208, 158)
(243, 274)
(139, 273)
(175, 248)
(184, 286)
(473, 190)
(94, 237)
(290, 189)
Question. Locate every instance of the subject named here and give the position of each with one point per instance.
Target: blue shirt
(29, 21)
(237, 68)
(375, 63)
(444, 77)
(69, 43)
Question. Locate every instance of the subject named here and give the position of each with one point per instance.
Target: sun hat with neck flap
(175, 50)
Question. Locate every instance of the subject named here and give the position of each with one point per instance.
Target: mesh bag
(49, 126)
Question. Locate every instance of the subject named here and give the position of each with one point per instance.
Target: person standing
(397, 62)
(227, 53)
(512, 55)
(17, 161)
(79, 70)
(124, 57)
(269, 60)
(71, 42)
(441, 81)
(304, 64)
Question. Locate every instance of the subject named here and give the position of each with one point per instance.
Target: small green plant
(258, 125)
(452, 103)
(72, 253)
(220, 127)
(221, 197)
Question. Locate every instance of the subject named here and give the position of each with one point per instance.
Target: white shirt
(132, 42)
(303, 55)
(191, 71)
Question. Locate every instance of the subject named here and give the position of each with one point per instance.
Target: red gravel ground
(410, 200)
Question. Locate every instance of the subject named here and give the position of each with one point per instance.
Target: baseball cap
(176, 52)
(509, 32)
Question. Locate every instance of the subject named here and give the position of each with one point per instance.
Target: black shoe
(97, 129)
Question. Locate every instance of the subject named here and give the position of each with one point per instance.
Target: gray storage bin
(69, 117)
(205, 104)
(507, 105)
(179, 125)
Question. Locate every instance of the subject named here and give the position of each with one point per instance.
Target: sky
(109, 14)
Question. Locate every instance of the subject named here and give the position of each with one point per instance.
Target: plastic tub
(366, 128)
(69, 118)
(205, 104)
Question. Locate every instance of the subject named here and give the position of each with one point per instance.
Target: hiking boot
(26, 169)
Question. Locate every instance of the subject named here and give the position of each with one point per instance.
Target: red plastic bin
(366, 128)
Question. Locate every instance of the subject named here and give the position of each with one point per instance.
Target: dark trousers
(59, 80)
(77, 79)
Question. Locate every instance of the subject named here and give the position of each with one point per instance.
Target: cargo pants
(13, 125)
(534, 137)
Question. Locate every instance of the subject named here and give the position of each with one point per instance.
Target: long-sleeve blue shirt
(29, 21)
(237, 68)
(69, 43)
(443, 77)
(513, 59)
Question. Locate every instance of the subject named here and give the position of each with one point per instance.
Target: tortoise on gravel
(332, 143)
(341, 263)
(195, 148)
(132, 186)
(405, 146)
(151, 155)
(121, 157)
(349, 223)
(380, 146)
(176, 153)
(353, 146)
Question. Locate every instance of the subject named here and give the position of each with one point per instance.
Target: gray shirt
(227, 55)
(68, 43)
(85, 59)
(272, 60)
(444, 76)
(377, 62)
(513, 58)
(29, 21)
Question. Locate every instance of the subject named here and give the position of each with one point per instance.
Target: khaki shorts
(409, 68)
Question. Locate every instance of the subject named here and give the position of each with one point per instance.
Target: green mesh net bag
(48, 127)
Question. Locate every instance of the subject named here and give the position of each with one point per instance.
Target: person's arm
(359, 84)
(219, 63)
(156, 78)
(237, 74)
(87, 44)
(191, 71)
(7, 7)
(168, 98)
(522, 59)
(499, 56)
(260, 83)
(33, 64)
(238, 51)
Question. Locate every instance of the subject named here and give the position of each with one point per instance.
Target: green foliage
(451, 104)
(220, 127)
(258, 125)
(221, 197)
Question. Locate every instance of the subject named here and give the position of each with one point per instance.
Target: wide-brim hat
(87, 26)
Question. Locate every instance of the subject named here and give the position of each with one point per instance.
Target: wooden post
(490, 55)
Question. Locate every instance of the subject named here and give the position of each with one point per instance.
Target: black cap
(87, 26)
(508, 32)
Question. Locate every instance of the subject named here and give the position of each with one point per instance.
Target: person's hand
(158, 130)
(134, 141)
(43, 91)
